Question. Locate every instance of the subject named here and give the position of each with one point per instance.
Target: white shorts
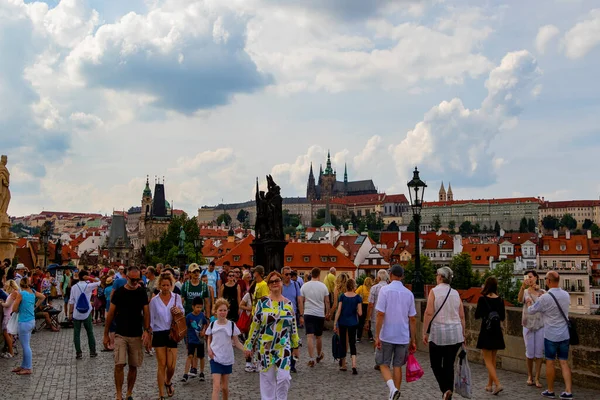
(534, 343)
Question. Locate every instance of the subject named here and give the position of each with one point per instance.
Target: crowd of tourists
(151, 311)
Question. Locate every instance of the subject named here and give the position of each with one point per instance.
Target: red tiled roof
(389, 239)
(513, 200)
(365, 199)
(594, 246)
(239, 255)
(473, 294)
(481, 253)
(519, 238)
(562, 246)
(396, 198)
(24, 256)
(213, 233)
(570, 204)
(431, 241)
(315, 252)
(386, 254)
(22, 242)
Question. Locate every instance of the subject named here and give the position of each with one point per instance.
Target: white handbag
(12, 327)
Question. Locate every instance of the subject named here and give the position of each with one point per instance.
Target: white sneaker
(395, 395)
(249, 368)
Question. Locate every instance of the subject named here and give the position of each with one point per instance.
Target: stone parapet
(584, 359)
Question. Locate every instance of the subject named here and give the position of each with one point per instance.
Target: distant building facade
(579, 209)
(155, 214)
(118, 244)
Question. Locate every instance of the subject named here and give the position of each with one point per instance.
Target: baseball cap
(193, 267)
(397, 270)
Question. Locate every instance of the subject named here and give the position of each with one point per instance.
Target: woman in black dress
(490, 308)
(231, 291)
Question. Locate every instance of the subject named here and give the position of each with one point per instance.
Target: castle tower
(147, 199)
(345, 179)
(311, 189)
(320, 174)
(442, 194)
(328, 180)
(450, 195)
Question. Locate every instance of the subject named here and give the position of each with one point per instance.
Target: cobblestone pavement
(57, 375)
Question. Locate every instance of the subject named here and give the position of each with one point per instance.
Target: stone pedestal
(269, 254)
(8, 240)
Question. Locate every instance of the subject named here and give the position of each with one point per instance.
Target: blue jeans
(554, 350)
(25, 329)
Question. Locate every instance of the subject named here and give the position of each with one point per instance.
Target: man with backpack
(80, 309)
(291, 291)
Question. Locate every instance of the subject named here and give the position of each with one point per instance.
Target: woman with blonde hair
(160, 323)
(348, 312)
(25, 304)
(363, 291)
(12, 289)
(340, 287)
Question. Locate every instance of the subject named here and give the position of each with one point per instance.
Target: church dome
(167, 206)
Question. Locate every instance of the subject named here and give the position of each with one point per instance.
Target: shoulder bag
(438, 311)
(573, 335)
(178, 327)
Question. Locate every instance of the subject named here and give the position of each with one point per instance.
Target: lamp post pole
(196, 246)
(416, 189)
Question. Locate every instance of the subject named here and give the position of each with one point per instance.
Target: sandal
(24, 372)
(170, 390)
(17, 369)
(530, 382)
(538, 384)
(488, 389)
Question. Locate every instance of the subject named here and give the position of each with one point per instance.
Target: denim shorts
(216, 368)
(552, 350)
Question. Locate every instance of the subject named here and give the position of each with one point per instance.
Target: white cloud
(308, 52)
(208, 157)
(583, 37)
(82, 120)
(545, 34)
(453, 140)
(368, 154)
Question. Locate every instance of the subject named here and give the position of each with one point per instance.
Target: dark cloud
(343, 9)
(197, 72)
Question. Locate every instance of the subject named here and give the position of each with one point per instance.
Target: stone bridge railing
(584, 359)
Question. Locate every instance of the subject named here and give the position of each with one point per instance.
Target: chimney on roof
(555, 234)
(568, 234)
(589, 234)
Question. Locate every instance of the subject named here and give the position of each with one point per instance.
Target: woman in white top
(446, 315)
(160, 323)
(533, 327)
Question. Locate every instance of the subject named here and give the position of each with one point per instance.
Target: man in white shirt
(556, 332)
(82, 315)
(395, 329)
(315, 297)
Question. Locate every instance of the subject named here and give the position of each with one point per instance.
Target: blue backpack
(82, 305)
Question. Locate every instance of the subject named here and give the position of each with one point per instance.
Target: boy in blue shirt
(196, 327)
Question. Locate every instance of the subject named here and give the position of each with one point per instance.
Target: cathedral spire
(328, 169)
(442, 193)
(311, 175)
(147, 191)
(345, 173)
(450, 195)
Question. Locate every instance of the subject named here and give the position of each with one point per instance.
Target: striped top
(446, 328)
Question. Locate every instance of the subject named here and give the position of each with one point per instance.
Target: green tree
(428, 271)
(374, 235)
(166, 249)
(393, 227)
(436, 223)
(531, 225)
(411, 226)
(464, 277)
(224, 218)
(497, 228)
(508, 288)
(465, 228)
(452, 226)
(321, 213)
(587, 224)
(291, 219)
(485, 229)
(476, 228)
(595, 230)
(550, 223)
(567, 221)
(523, 226)
(243, 216)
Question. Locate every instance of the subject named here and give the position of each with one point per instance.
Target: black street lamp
(45, 235)
(197, 244)
(416, 189)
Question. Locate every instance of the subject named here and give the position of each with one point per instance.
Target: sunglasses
(134, 280)
(231, 276)
(287, 274)
(274, 281)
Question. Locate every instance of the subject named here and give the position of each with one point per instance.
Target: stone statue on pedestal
(8, 240)
(269, 243)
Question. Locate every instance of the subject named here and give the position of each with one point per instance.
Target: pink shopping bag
(414, 372)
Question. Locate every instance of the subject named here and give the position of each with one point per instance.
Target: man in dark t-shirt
(129, 309)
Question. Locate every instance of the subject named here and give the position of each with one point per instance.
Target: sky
(500, 99)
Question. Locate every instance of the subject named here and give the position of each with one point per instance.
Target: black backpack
(335, 347)
(493, 319)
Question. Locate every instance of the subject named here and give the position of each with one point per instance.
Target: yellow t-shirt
(260, 290)
(363, 292)
(330, 282)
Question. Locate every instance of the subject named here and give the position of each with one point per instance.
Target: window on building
(323, 259)
(580, 301)
(306, 259)
(545, 264)
(597, 298)
(288, 259)
(333, 259)
(236, 258)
